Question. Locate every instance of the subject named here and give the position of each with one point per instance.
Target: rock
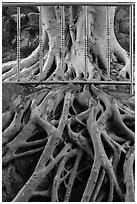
(12, 183)
(14, 16)
(8, 34)
(123, 40)
(29, 35)
(23, 19)
(29, 9)
(8, 30)
(9, 10)
(121, 12)
(124, 26)
(34, 19)
(25, 35)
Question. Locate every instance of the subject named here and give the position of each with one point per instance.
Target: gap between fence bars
(131, 82)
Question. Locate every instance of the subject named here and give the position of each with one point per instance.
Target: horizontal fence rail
(68, 3)
(75, 82)
(131, 83)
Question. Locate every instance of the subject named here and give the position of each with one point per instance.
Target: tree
(84, 135)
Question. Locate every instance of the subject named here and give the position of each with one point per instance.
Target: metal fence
(109, 81)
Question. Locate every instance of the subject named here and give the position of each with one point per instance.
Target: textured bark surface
(70, 137)
(74, 66)
(68, 142)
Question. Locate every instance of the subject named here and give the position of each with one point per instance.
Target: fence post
(40, 44)
(86, 42)
(62, 39)
(108, 42)
(131, 48)
(18, 43)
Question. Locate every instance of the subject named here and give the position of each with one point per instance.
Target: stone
(9, 10)
(121, 12)
(34, 18)
(124, 26)
(12, 183)
(8, 30)
(123, 40)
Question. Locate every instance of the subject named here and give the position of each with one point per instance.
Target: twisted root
(82, 135)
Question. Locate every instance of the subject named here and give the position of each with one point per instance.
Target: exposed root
(15, 125)
(73, 174)
(75, 59)
(38, 176)
(59, 178)
(98, 186)
(7, 118)
(10, 69)
(129, 175)
(71, 127)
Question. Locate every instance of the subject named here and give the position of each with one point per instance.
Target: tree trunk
(77, 140)
(73, 52)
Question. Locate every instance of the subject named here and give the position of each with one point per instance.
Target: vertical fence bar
(18, 43)
(131, 47)
(108, 41)
(40, 44)
(86, 42)
(62, 38)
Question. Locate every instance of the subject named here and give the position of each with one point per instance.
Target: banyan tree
(66, 137)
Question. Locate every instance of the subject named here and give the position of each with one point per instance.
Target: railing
(109, 82)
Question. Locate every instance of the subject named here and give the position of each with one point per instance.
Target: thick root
(10, 69)
(122, 55)
(71, 127)
(129, 175)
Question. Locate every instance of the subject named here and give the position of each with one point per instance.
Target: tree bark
(74, 65)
